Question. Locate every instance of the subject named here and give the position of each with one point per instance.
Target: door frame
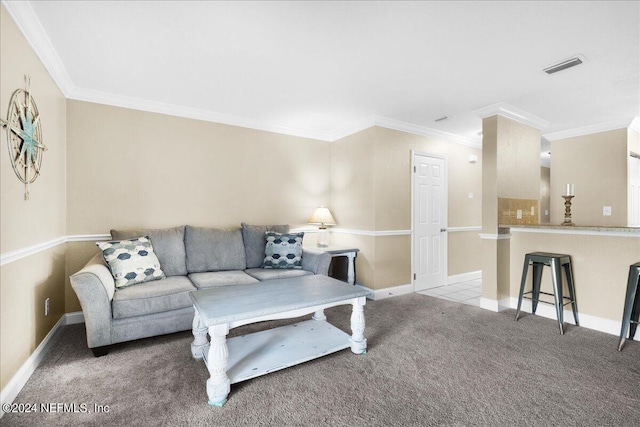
(444, 158)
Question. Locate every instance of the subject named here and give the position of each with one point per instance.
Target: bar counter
(600, 257)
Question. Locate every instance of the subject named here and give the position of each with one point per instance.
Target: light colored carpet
(429, 362)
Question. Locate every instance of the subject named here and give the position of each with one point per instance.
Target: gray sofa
(191, 258)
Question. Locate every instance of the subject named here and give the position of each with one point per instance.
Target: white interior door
(429, 222)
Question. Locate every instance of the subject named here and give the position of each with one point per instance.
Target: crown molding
(355, 127)
(90, 95)
(30, 26)
(28, 23)
(511, 112)
(393, 124)
(591, 129)
(388, 123)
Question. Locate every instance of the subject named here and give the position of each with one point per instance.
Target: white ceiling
(320, 68)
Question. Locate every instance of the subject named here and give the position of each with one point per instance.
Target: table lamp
(321, 216)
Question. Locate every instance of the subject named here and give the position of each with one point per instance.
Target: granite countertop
(631, 230)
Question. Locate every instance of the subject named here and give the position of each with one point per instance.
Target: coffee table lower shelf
(271, 350)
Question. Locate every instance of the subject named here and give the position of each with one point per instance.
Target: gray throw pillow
(283, 250)
(255, 241)
(131, 261)
(168, 244)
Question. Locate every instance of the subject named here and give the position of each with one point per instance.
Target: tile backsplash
(518, 211)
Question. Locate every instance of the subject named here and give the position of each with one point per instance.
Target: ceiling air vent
(442, 118)
(563, 65)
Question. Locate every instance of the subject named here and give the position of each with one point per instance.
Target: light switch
(606, 210)
(533, 211)
(471, 195)
(519, 214)
(546, 212)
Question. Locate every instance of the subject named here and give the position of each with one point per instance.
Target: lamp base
(323, 237)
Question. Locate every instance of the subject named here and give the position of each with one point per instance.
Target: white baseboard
(378, 294)
(74, 318)
(11, 390)
(464, 277)
(489, 304)
(588, 321)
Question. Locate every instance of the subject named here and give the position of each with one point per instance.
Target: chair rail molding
(15, 255)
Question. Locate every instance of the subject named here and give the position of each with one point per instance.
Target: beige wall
(510, 180)
(633, 178)
(352, 186)
(27, 282)
(371, 191)
(597, 165)
(489, 177)
(545, 196)
(518, 160)
(129, 168)
(600, 268)
(633, 141)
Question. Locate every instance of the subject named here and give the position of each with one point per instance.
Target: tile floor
(464, 292)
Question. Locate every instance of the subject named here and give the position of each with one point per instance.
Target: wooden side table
(349, 252)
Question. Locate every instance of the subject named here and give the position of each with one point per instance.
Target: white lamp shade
(322, 216)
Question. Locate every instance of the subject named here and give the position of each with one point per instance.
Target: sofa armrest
(95, 287)
(316, 261)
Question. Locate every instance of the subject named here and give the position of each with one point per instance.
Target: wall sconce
(322, 217)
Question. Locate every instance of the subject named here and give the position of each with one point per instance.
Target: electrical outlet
(533, 211)
(471, 195)
(46, 307)
(519, 214)
(546, 212)
(606, 210)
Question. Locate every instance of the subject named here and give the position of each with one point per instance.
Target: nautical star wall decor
(24, 136)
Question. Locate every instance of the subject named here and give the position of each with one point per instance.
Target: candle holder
(567, 210)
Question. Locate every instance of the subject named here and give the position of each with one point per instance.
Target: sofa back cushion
(213, 249)
(168, 244)
(255, 241)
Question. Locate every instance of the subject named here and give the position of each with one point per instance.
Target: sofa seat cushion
(266, 274)
(221, 278)
(213, 249)
(167, 294)
(168, 244)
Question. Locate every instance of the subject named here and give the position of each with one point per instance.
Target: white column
(358, 341)
(218, 385)
(319, 315)
(200, 342)
(351, 268)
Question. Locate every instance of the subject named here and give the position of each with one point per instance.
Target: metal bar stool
(556, 262)
(631, 305)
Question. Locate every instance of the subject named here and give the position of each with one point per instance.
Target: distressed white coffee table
(217, 310)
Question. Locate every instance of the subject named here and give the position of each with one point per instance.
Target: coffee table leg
(358, 341)
(351, 269)
(319, 315)
(218, 385)
(200, 342)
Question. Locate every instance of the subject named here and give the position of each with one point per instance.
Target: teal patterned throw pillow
(283, 250)
(131, 261)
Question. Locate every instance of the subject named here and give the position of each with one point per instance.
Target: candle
(570, 190)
